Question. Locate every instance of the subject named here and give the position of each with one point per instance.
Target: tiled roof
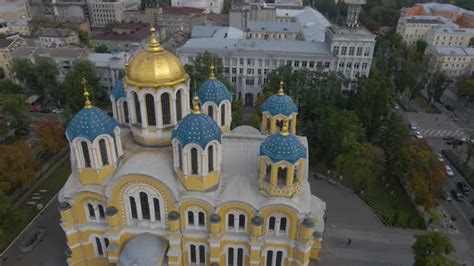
(197, 128)
(213, 90)
(90, 123)
(279, 105)
(118, 90)
(182, 10)
(283, 148)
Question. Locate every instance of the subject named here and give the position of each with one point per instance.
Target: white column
(114, 108)
(111, 151)
(174, 120)
(118, 142)
(159, 119)
(141, 99)
(131, 109)
(204, 163)
(94, 158)
(184, 153)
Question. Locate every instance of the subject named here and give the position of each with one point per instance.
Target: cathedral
(167, 181)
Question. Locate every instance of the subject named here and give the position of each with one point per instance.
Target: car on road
(440, 157)
(33, 109)
(456, 195)
(449, 171)
(456, 142)
(396, 107)
(57, 111)
(463, 187)
(412, 126)
(418, 135)
(449, 138)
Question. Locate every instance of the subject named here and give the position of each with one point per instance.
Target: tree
(9, 215)
(436, 86)
(72, 88)
(469, 153)
(2, 73)
(8, 87)
(111, 25)
(102, 49)
(15, 109)
(17, 165)
(432, 248)
(49, 134)
(199, 70)
(38, 77)
(467, 88)
(24, 71)
(373, 101)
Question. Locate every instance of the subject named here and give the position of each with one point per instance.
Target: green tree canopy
(8, 87)
(15, 110)
(467, 88)
(9, 215)
(436, 86)
(38, 77)
(432, 248)
(102, 49)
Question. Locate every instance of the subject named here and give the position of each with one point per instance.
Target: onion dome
(118, 90)
(283, 146)
(279, 104)
(155, 67)
(213, 90)
(90, 122)
(197, 128)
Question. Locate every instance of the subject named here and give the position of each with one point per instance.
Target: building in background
(110, 67)
(454, 62)
(414, 28)
(7, 47)
(462, 17)
(40, 8)
(56, 37)
(102, 13)
(125, 37)
(263, 38)
(14, 10)
(20, 25)
(64, 57)
(71, 8)
(210, 6)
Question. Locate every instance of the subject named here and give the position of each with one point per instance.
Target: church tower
(94, 139)
(275, 110)
(157, 89)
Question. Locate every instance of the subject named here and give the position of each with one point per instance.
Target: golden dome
(155, 67)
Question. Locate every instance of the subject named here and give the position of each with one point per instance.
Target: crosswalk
(458, 133)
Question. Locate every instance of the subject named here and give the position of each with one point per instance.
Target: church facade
(167, 181)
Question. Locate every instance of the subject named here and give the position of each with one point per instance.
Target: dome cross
(154, 46)
(212, 75)
(196, 109)
(281, 91)
(87, 103)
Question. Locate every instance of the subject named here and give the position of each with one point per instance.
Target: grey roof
(10, 7)
(18, 22)
(74, 53)
(248, 45)
(210, 31)
(6, 42)
(451, 50)
(425, 19)
(262, 26)
(433, 6)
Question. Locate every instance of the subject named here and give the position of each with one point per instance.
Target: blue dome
(213, 90)
(118, 90)
(279, 105)
(283, 148)
(90, 123)
(197, 128)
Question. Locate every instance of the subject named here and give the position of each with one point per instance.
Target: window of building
(194, 161)
(103, 152)
(282, 175)
(235, 256)
(277, 225)
(197, 254)
(351, 51)
(145, 208)
(165, 108)
(344, 50)
(210, 111)
(364, 65)
(249, 82)
(226, 70)
(234, 70)
(125, 110)
(179, 112)
(223, 114)
(241, 70)
(304, 64)
(90, 209)
(196, 218)
(99, 247)
(241, 61)
(297, 64)
(336, 50)
(250, 71)
(133, 207)
(138, 112)
(259, 71)
(274, 258)
(210, 158)
(367, 51)
(234, 80)
(327, 65)
(359, 51)
(85, 154)
(311, 64)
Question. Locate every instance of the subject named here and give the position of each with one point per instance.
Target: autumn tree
(432, 248)
(426, 174)
(49, 134)
(17, 166)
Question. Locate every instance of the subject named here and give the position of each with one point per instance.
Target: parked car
(440, 157)
(57, 111)
(396, 107)
(418, 135)
(463, 187)
(412, 126)
(456, 142)
(449, 171)
(449, 138)
(456, 195)
(33, 109)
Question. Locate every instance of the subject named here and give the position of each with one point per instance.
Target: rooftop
(104, 59)
(134, 32)
(72, 53)
(262, 26)
(56, 32)
(182, 10)
(425, 19)
(451, 50)
(4, 43)
(433, 6)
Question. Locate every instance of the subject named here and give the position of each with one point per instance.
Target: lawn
(397, 210)
(52, 184)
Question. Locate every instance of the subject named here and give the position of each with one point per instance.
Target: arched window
(150, 109)
(165, 108)
(125, 110)
(223, 115)
(98, 243)
(230, 257)
(270, 258)
(269, 122)
(230, 221)
(279, 258)
(103, 152)
(91, 210)
(85, 153)
(268, 173)
(201, 219)
(241, 221)
(138, 113)
(271, 223)
(210, 111)
(133, 207)
(279, 124)
(194, 161)
(210, 158)
(283, 224)
(156, 206)
(296, 174)
(101, 211)
(277, 225)
(282, 174)
(190, 218)
(145, 206)
(179, 111)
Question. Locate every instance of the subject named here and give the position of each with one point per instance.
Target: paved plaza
(437, 125)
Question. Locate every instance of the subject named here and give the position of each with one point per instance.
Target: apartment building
(56, 37)
(210, 6)
(103, 12)
(414, 28)
(454, 62)
(445, 36)
(14, 10)
(7, 47)
(125, 37)
(110, 67)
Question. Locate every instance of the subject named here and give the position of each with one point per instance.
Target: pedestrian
(349, 241)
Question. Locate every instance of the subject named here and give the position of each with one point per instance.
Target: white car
(412, 126)
(449, 171)
(418, 135)
(57, 111)
(440, 157)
